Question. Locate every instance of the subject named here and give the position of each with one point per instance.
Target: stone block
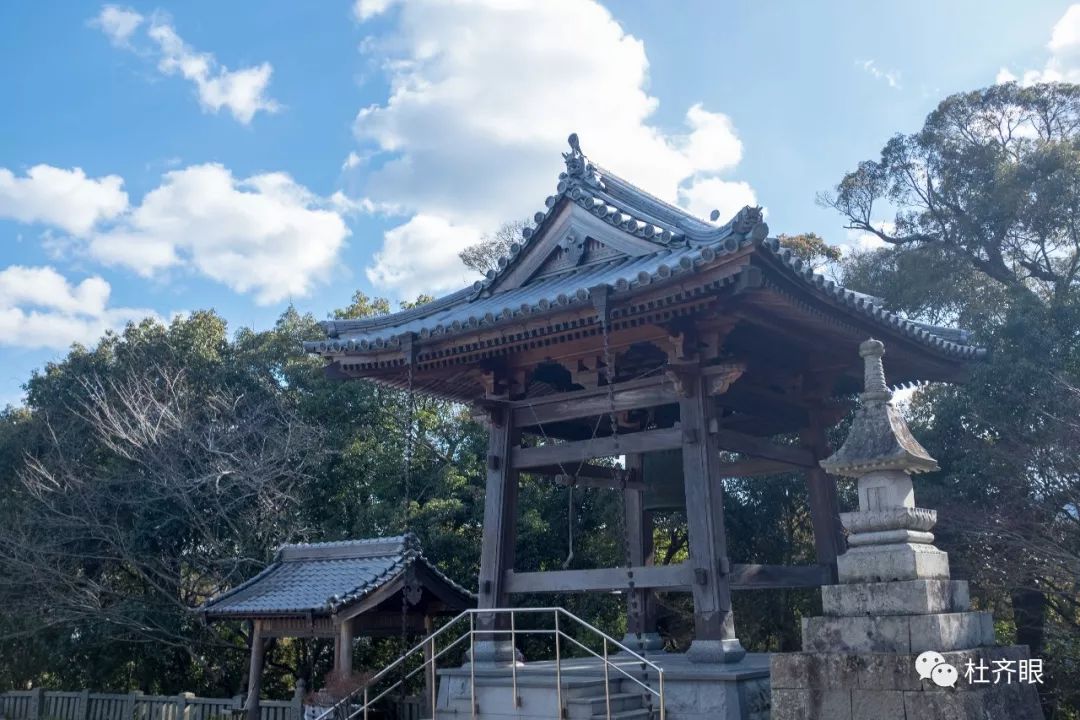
(904, 597)
(886, 563)
(888, 672)
(802, 671)
(877, 705)
(948, 631)
(811, 705)
(887, 634)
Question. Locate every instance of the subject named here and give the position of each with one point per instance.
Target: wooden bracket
(409, 347)
(719, 378)
(683, 375)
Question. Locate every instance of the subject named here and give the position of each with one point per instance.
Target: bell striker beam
(714, 625)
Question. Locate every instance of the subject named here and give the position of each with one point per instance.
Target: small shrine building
(376, 587)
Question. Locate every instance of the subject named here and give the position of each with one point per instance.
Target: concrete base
(729, 691)
(715, 651)
(832, 686)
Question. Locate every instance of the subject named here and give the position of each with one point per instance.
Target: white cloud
(479, 111)
(40, 308)
(421, 256)
(353, 160)
(265, 234)
(118, 23)
(67, 199)
(1063, 65)
(708, 194)
(242, 92)
(891, 77)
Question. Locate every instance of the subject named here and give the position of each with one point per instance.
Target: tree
(810, 247)
(985, 236)
(484, 255)
(991, 181)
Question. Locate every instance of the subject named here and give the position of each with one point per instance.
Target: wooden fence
(85, 705)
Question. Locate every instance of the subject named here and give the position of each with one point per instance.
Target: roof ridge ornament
(579, 170)
(879, 438)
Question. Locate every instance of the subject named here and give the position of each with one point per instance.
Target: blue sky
(162, 157)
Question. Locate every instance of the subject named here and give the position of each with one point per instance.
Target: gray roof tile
(321, 577)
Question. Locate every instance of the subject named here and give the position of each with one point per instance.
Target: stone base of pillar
(715, 651)
(885, 686)
(646, 644)
(494, 652)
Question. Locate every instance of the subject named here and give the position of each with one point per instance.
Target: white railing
(360, 702)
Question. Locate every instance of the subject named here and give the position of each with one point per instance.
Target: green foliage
(985, 236)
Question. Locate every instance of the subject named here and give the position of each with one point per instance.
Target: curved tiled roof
(320, 578)
(684, 245)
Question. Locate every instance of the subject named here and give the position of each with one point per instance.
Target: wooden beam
(585, 470)
(666, 577)
(670, 578)
(714, 622)
(829, 538)
(582, 450)
(772, 577)
(640, 602)
(629, 395)
(588, 482)
(755, 467)
(761, 448)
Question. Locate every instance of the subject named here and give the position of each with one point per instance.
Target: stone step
(638, 714)
(596, 706)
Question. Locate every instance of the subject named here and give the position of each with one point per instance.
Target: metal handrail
(346, 708)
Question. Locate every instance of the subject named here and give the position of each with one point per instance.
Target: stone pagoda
(898, 639)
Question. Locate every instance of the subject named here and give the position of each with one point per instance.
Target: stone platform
(693, 691)
(886, 686)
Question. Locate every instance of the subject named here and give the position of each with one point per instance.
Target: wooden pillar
(429, 667)
(500, 515)
(641, 603)
(343, 650)
(829, 540)
(258, 649)
(714, 625)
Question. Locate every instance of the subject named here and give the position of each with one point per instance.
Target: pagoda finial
(879, 439)
(874, 372)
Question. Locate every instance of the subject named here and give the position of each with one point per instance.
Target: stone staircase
(583, 698)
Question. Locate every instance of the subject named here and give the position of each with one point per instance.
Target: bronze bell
(662, 472)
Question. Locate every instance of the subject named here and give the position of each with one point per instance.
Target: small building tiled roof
(321, 578)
